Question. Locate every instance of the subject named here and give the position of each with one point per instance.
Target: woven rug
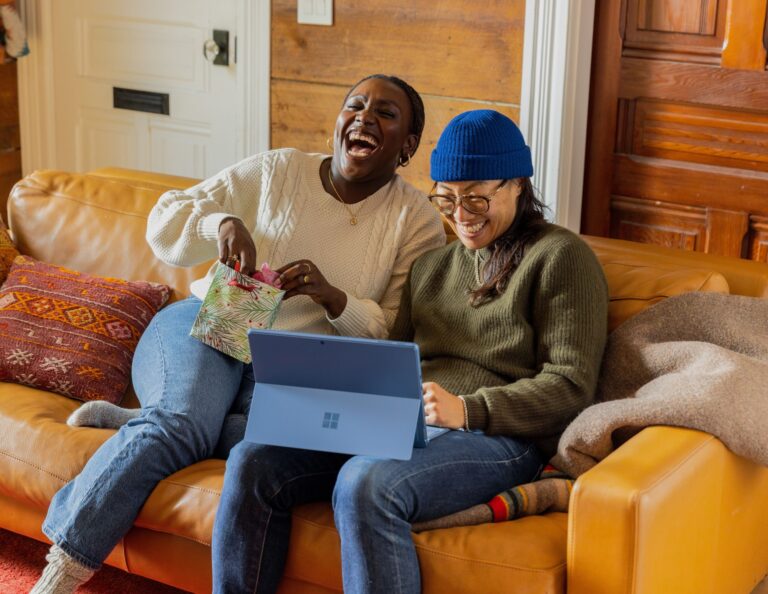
(22, 560)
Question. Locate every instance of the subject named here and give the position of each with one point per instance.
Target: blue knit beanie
(478, 145)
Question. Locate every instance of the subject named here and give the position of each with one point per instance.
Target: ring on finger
(305, 279)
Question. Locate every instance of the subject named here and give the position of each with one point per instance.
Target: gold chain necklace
(352, 214)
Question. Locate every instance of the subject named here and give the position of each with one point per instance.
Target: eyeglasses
(474, 203)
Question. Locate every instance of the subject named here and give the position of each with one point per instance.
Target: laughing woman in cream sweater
(343, 230)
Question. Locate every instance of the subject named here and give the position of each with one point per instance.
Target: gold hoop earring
(329, 144)
(406, 162)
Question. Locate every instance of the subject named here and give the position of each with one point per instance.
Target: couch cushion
(39, 453)
(94, 225)
(70, 332)
(744, 277)
(522, 556)
(633, 287)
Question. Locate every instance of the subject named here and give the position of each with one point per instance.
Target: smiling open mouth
(472, 230)
(361, 145)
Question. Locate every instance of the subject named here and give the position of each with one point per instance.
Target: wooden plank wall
(10, 143)
(677, 154)
(459, 55)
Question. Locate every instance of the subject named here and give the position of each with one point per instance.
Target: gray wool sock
(98, 413)
(62, 575)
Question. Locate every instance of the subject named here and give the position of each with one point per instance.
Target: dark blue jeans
(374, 502)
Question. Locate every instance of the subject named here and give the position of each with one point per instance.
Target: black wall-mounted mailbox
(141, 100)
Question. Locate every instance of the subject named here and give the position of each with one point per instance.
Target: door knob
(216, 50)
(211, 50)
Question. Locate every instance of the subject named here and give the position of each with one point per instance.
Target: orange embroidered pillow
(72, 333)
(7, 252)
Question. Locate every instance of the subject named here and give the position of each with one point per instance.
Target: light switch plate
(315, 12)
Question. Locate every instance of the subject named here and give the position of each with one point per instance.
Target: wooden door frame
(37, 92)
(36, 97)
(557, 61)
(604, 91)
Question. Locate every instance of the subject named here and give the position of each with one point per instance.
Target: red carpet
(22, 560)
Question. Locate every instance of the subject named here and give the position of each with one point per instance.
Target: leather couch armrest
(645, 520)
(138, 177)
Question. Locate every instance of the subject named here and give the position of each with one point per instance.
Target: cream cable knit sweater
(280, 197)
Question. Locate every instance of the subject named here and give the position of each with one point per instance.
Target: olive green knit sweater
(526, 362)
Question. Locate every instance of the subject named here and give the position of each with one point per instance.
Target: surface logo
(331, 420)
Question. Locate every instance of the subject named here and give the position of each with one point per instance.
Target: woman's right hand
(236, 244)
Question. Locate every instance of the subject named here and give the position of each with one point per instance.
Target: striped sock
(550, 493)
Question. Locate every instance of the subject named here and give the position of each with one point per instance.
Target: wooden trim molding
(36, 89)
(743, 47)
(256, 76)
(557, 56)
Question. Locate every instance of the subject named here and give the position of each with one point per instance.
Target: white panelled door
(155, 48)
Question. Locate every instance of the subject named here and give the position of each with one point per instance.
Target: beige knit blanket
(699, 360)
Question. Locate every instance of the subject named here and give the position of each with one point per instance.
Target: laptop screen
(382, 367)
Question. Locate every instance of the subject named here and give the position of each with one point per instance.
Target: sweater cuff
(477, 413)
(208, 226)
(354, 320)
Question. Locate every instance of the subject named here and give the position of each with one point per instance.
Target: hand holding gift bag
(234, 303)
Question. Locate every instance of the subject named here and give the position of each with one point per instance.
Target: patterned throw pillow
(72, 333)
(7, 252)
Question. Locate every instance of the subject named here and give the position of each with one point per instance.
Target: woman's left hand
(302, 277)
(442, 408)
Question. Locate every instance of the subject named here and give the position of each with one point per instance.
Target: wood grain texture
(441, 47)
(726, 232)
(688, 163)
(304, 115)
(9, 107)
(10, 173)
(601, 127)
(10, 137)
(680, 30)
(694, 83)
(666, 224)
(758, 250)
(690, 184)
(677, 16)
(765, 35)
(686, 132)
(744, 47)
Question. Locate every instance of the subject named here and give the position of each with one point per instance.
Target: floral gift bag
(234, 303)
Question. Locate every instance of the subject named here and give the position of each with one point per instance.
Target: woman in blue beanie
(511, 325)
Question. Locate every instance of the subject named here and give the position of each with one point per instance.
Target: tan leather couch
(671, 511)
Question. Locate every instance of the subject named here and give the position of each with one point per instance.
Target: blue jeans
(186, 389)
(374, 502)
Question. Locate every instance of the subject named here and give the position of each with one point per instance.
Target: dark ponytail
(508, 249)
